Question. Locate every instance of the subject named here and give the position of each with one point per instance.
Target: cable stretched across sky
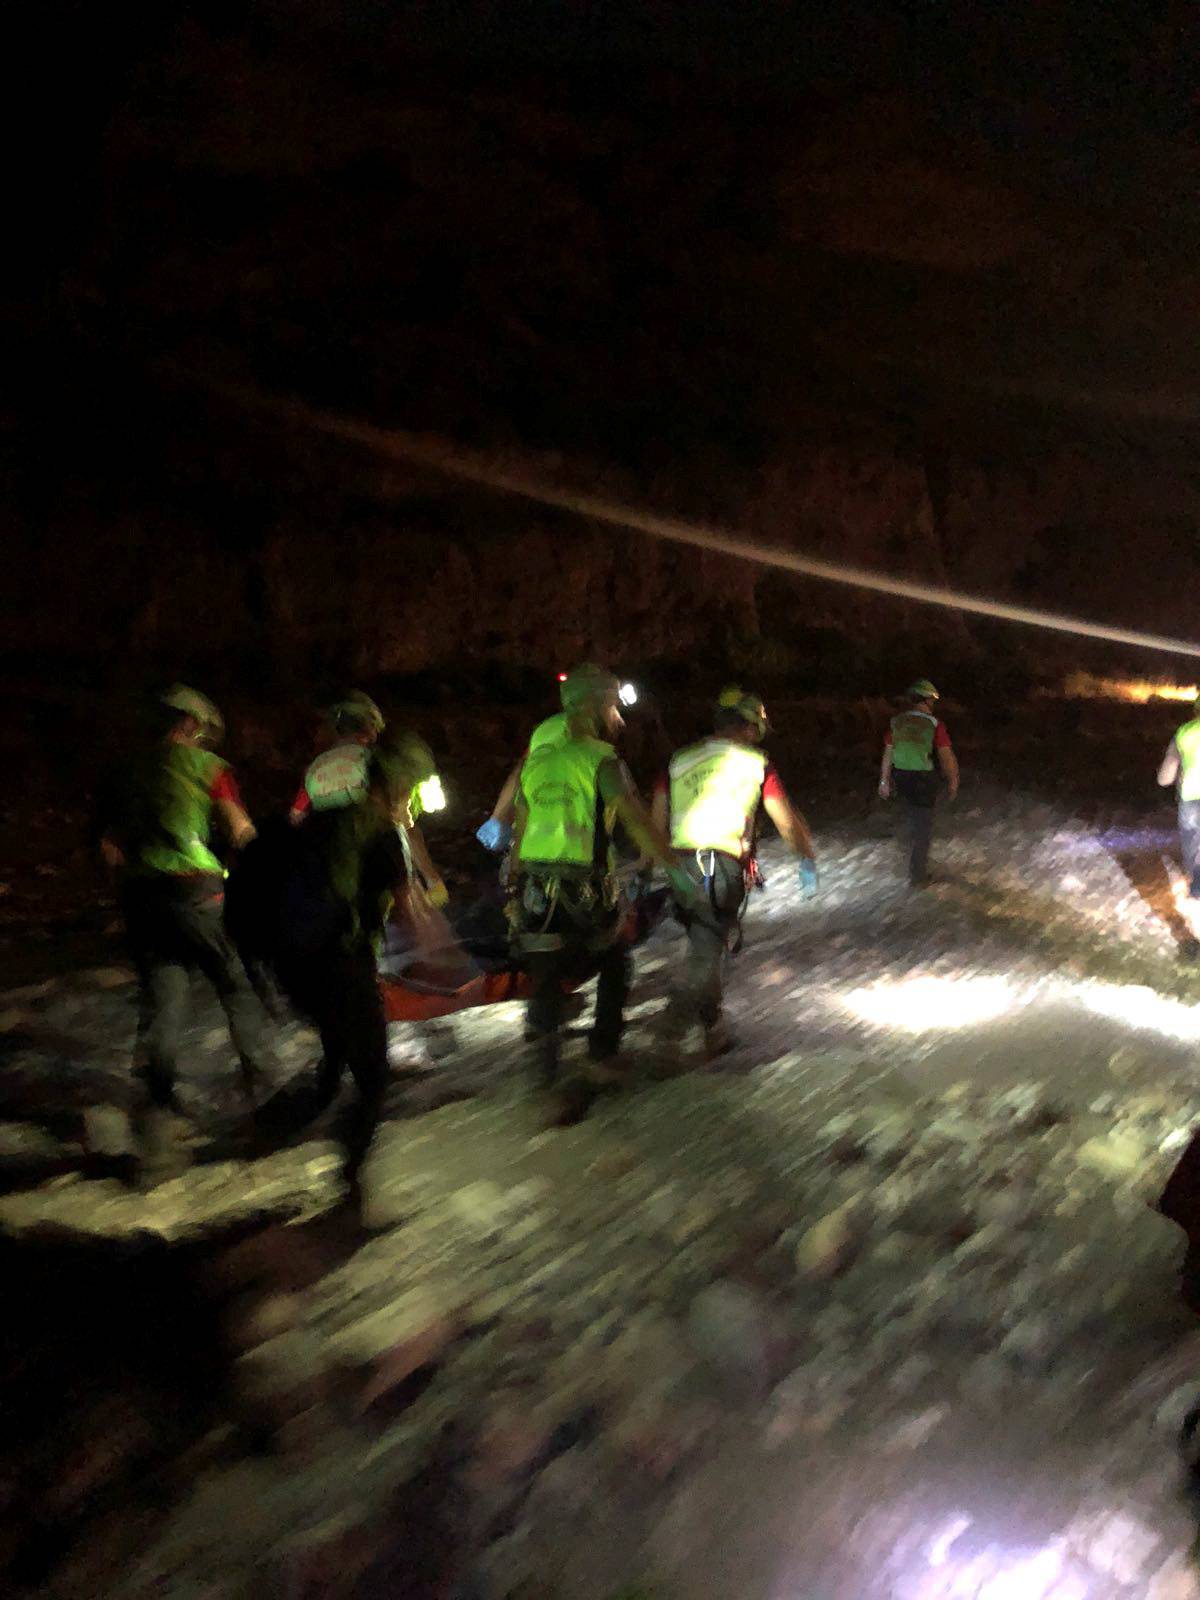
(474, 468)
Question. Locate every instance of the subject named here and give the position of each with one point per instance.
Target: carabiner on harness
(708, 873)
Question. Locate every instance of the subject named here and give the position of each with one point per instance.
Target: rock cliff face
(830, 319)
(308, 560)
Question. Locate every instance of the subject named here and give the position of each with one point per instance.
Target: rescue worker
(709, 801)
(496, 833)
(156, 837)
(352, 868)
(915, 748)
(338, 777)
(339, 773)
(568, 912)
(1181, 766)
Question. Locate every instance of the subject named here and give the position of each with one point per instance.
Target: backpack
(281, 901)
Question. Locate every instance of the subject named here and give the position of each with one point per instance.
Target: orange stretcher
(444, 979)
(407, 999)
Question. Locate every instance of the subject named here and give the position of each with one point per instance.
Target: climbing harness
(540, 896)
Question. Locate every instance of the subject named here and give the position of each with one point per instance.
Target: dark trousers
(722, 880)
(583, 937)
(917, 793)
(174, 927)
(1189, 843)
(338, 990)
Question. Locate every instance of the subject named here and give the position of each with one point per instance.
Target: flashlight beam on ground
(469, 467)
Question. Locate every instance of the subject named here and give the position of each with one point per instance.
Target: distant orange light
(1141, 691)
(1135, 691)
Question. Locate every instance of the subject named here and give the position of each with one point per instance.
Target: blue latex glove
(495, 835)
(807, 873)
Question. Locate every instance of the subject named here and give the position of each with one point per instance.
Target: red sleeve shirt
(772, 788)
(225, 787)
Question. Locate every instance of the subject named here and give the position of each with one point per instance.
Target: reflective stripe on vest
(912, 741)
(715, 790)
(337, 778)
(560, 787)
(1187, 742)
(182, 813)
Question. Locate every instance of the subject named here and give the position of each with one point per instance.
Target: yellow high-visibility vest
(566, 824)
(715, 790)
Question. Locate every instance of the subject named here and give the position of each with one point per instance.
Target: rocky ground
(877, 1311)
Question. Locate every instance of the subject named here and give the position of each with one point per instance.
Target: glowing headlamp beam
(475, 469)
(431, 795)
(925, 1004)
(627, 694)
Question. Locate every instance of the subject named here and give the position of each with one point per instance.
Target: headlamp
(627, 695)
(430, 794)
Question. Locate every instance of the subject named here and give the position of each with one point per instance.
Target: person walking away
(573, 791)
(339, 774)
(338, 777)
(496, 833)
(157, 838)
(352, 868)
(709, 801)
(1181, 766)
(916, 747)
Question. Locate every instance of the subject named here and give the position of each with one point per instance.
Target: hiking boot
(607, 1070)
(671, 1024)
(570, 1104)
(350, 1214)
(160, 1149)
(718, 1041)
(678, 1048)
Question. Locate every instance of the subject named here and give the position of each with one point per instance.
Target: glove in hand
(495, 835)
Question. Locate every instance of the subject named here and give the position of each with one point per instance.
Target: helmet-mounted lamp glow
(430, 794)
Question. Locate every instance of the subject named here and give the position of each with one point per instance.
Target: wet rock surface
(878, 1309)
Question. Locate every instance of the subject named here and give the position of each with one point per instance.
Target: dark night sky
(650, 237)
(1069, 85)
(1082, 105)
